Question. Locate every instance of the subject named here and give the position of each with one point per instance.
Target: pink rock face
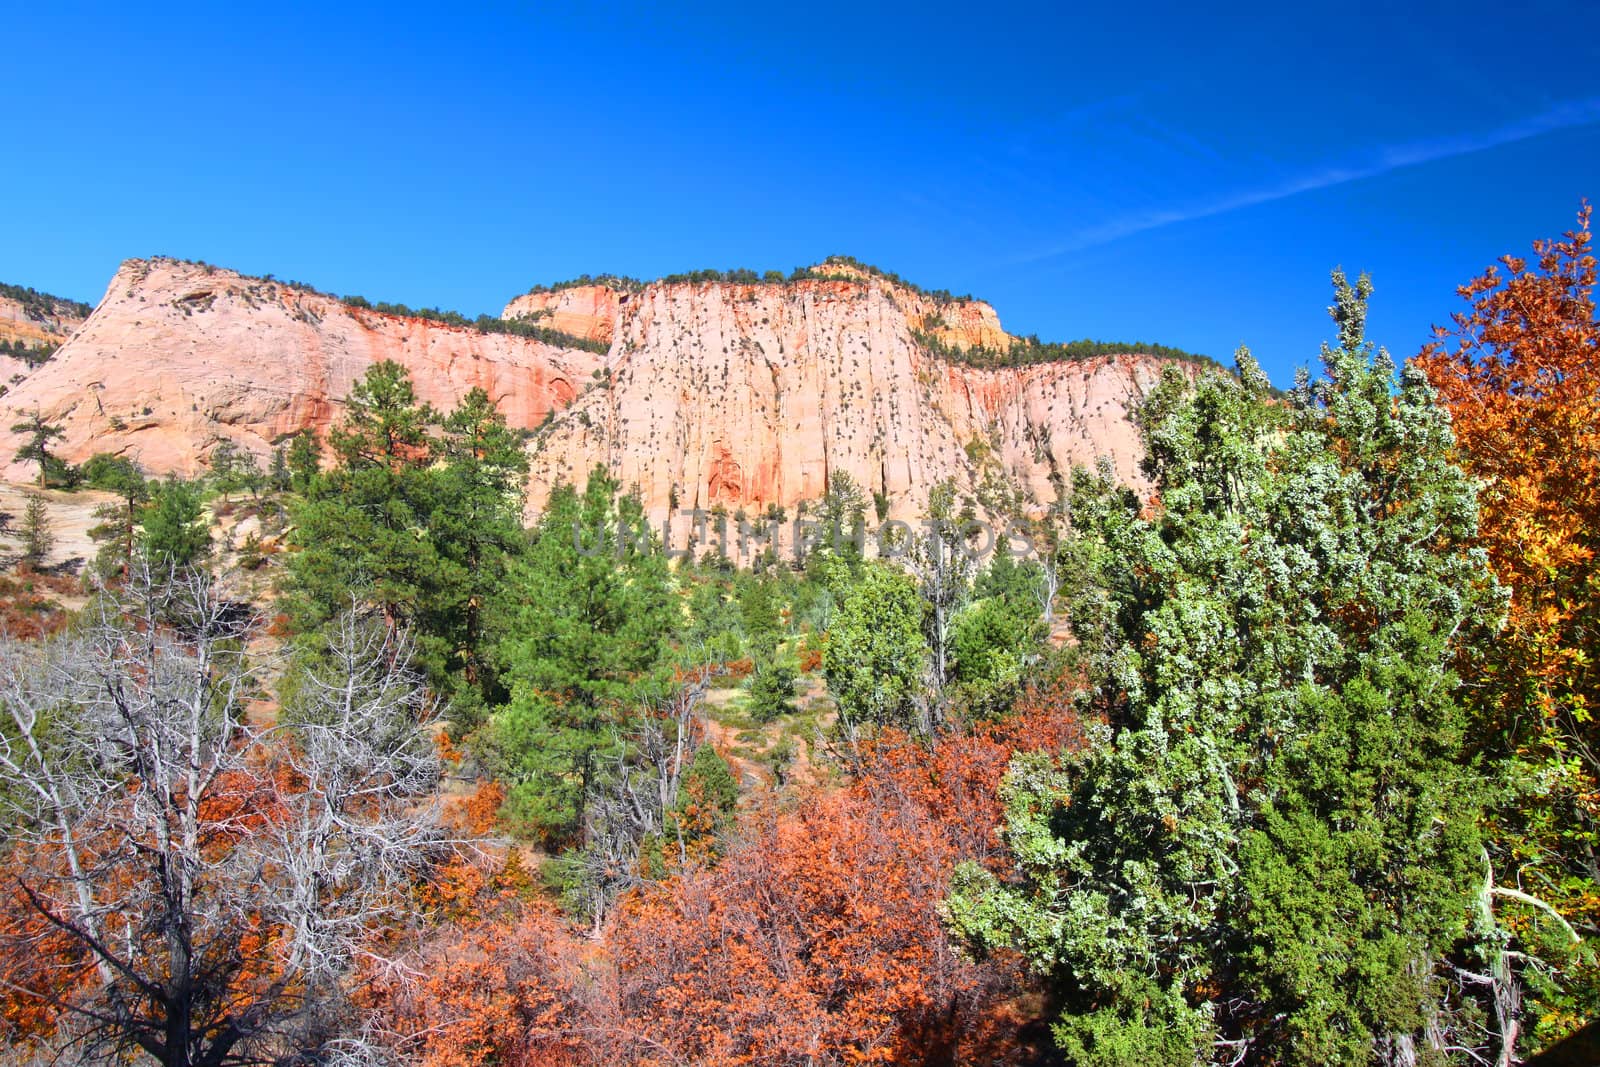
(969, 324)
(750, 395)
(587, 311)
(178, 357)
(714, 394)
(32, 329)
(18, 323)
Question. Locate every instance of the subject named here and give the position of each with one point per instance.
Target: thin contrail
(1395, 157)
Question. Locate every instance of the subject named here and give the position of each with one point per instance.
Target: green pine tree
(279, 477)
(37, 448)
(38, 538)
(304, 461)
(227, 474)
(361, 529)
(476, 523)
(176, 532)
(876, 651)
(587, 610)
(117, 530)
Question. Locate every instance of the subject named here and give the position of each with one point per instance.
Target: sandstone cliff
(714, 393)
(587, 311)
(179, 356)
(749, 395)
(38, 324)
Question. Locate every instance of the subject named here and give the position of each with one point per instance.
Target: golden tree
(1520, 374)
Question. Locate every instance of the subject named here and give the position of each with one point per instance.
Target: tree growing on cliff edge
(1272, 854)
(37, 448)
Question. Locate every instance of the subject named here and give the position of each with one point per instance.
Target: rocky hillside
(587, 311)
(745, 395)
(179, 356)
(32, 326)
(740, 394)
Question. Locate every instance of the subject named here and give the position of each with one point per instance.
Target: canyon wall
(745, 396)
(179, 356)
(38, 324)
(713, 394)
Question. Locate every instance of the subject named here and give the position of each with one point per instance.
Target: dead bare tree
(633, 801)
(943, 566)
(1047, 584)
(1498, 988)
(204, 883)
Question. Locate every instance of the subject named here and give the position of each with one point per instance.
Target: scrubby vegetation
(620, 282)
(1289, 761)
(38, 306)
(31, 354)
(1026, 351)
(830, 270)
(484, 324)
(823, 273)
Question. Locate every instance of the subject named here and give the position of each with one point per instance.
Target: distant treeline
(941, 296)
(625, 284)
(32, 355)
(42, 305)
(746, 276)
(620, 282)
(1025, 351)
(484, 324)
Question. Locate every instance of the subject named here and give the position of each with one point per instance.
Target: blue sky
(1118, 171)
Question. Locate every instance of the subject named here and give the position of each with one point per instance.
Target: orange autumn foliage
(40, 965)
(448, 752)
(480, 812)
(957, 781)
(818, 939)
(815, 939)
(1520, 375)
(27, 611)
(490, 992)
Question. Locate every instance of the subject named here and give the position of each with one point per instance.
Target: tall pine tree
(587, 611)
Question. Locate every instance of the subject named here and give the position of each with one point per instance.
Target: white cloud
(1563, 116)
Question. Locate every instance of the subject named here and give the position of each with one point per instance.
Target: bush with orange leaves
(816, 939)
(40, 965)
(506, 990)
(26, 610)
(956, 781)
